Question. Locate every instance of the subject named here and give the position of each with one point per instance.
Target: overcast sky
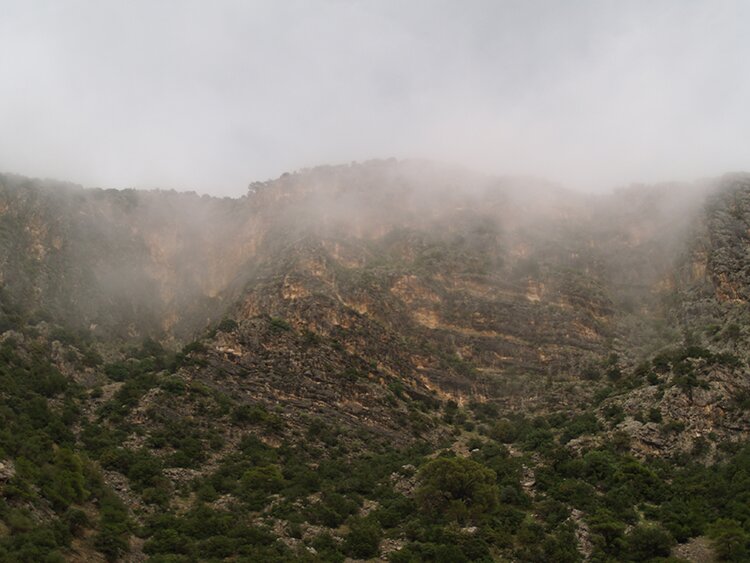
(212, 95)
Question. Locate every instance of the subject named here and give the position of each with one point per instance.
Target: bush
(654, 415)
(332, 510)
(583, 424)
(228, 325)
(280, 325)
(644, 542)
(64, 482)
(504, 431)
(267, 479)
(327, 548)
(254, 414)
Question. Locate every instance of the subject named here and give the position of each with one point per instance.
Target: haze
(213, 95)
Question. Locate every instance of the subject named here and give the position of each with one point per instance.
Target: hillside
(390, 359)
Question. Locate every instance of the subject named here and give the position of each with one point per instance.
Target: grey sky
(212, 95)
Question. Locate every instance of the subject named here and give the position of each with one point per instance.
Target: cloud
(210, 96)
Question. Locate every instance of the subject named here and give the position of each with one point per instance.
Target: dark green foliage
(328, 548)
(332, 510)
(654, 415)
(259, 482)
(48, 471)
(686, 364)
(730, 540)
(194, 347)
(111, 539)
(143, 469)
(189, 442)
(538, 439)
(614, 414)
(645, 542)
(579, 425)
(352, 375)
(63, 481)
(537, 546)
(485, 412)
(319, 430)
(437, 553)
(591, 373)
(505, 431)
(256, 414)
(228, 325)
(457, 489)
(610, 487)
(128, 395)
(363, 538)
(191, 354)
(209, 534)
(279, 325)
(673, 426)
(197, 437)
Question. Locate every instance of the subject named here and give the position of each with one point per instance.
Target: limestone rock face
(7, 470)
(289, 361)
(456, 285)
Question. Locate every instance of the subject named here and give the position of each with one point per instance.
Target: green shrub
(332, 510)
(280, 325)
(265, 479)
(730, 540)
(646, 541)
(363, 538)
(579, 425)
(456, 489)
(228, 325)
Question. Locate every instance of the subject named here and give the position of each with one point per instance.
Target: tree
(363, 539)
(265, 478)
(260, 482)
(457, 489)
(645, 542)
(64, 481)
(730, 540)
(504, 431)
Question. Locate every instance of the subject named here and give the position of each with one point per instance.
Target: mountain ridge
(206, 354)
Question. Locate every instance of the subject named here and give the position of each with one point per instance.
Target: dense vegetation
(501, 485)
(474, 384)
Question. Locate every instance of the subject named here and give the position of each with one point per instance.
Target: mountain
(299, 373)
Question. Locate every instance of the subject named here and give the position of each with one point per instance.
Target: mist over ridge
(205, 97)
(385, 281)
(167, 263)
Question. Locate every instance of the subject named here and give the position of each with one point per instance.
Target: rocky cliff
(338, 312)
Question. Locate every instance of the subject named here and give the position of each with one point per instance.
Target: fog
(211, 96)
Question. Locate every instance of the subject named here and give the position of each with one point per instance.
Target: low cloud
(211, 96)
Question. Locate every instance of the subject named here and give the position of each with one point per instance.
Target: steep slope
(700, 382)
(459, 259)
(294, 374)
(472, 287)
(122, 264)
